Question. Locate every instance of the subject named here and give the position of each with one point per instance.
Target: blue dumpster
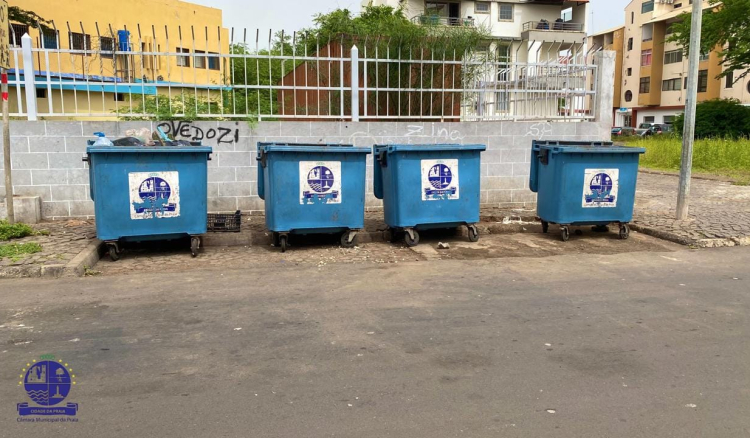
(584, 183)
(312, 188)
(148, 193)
(421, 189)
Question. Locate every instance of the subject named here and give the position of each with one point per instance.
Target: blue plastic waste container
(428, 186)
(312, 188)
(584, 183)
(148, 193)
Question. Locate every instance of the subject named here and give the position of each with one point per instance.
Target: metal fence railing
(126, 74)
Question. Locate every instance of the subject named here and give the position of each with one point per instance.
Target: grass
(726, 158)
(17, 251)
(17, 231)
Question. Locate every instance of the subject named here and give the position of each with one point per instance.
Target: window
(183, 61)
(49, 39)
(482, 7)
(645, 87)
(668, 120)
(566, 15)
(41, 93)
(647, 6)
(506, 12)
(80, 41)
(703, 56)
(649, 119)
(702, 81)
(673, 56)
(671, 84)
(729, 79)
(685, 83)
(16, 32)
(200, 60)
(630, 71)
(646, 58)
(630, 43)
(677, 5)
(632, 17)
(107, 44)
(119, 97)
(504, 59)
(213, 61)
(502, 101)
(628, 96)
(748, 87)
(647, 32)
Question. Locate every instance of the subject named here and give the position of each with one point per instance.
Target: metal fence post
(355, 84)
(28, 77)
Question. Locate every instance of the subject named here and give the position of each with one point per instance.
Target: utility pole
(688, 132)
(4, 65)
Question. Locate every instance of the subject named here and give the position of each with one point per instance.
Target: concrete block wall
(46, 155)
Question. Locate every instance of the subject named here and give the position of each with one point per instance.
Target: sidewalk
(719, 212)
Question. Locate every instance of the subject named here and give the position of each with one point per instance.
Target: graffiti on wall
(222, 134)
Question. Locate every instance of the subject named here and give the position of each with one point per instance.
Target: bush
(15, 231)
(719, 118)
(17, 251)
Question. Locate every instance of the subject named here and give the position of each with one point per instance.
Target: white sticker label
(320, 182)
(154, 194)
(600, 188)
(439, 179)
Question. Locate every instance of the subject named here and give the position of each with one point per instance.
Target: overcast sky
(297, 14)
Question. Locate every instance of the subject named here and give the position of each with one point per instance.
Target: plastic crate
(223, 222)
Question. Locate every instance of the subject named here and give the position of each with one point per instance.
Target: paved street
(631, 344)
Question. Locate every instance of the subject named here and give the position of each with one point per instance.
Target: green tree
(30, 18)
(726, 25)
(719, 118)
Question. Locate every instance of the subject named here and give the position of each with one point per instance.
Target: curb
(87, 258)
(700, 243)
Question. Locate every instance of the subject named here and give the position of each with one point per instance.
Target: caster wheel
(473, 233)
(114, 254)
(624, 231)
(283, 242)
(275, 239)
(409, 241)
(565, 233)
(545, 227)
(195, 244)
(345, 242)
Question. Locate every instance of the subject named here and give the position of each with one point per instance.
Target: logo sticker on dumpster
(320, 182)
(600, 188)
(439, 179)
(154, 194)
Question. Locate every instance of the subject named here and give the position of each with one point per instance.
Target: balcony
(436, 20)
(558, 31)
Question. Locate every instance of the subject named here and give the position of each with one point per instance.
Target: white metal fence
(222, 75)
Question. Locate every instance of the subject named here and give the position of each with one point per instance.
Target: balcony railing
(435, 20)
(554, 26)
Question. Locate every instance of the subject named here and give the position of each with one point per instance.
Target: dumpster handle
(261, 157)
(544, 156)
(85, 159)
(383, 158)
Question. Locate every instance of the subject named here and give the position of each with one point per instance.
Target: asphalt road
(644, 344)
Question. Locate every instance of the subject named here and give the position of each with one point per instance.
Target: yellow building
(90, 51)
(651, 81)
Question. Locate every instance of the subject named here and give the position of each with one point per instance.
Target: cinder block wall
(46, 155)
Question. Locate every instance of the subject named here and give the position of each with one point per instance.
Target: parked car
(623, 131)
(661, 129)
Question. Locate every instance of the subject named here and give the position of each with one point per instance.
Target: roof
(610, 30)
(677, 13)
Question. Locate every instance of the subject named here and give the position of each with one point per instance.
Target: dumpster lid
(311, 147)
(430, 147)
(147, 149)
(571, 147)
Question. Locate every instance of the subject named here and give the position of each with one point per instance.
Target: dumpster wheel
(195, 244)
(411, 237)
(114, 251)
(624, 231)
(565, 233)
(545, 226)
(283, 242)
(473, 233)
(388, 235)
(348, 239)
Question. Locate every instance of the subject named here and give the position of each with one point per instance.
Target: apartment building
(652, 72)
(109, 40)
